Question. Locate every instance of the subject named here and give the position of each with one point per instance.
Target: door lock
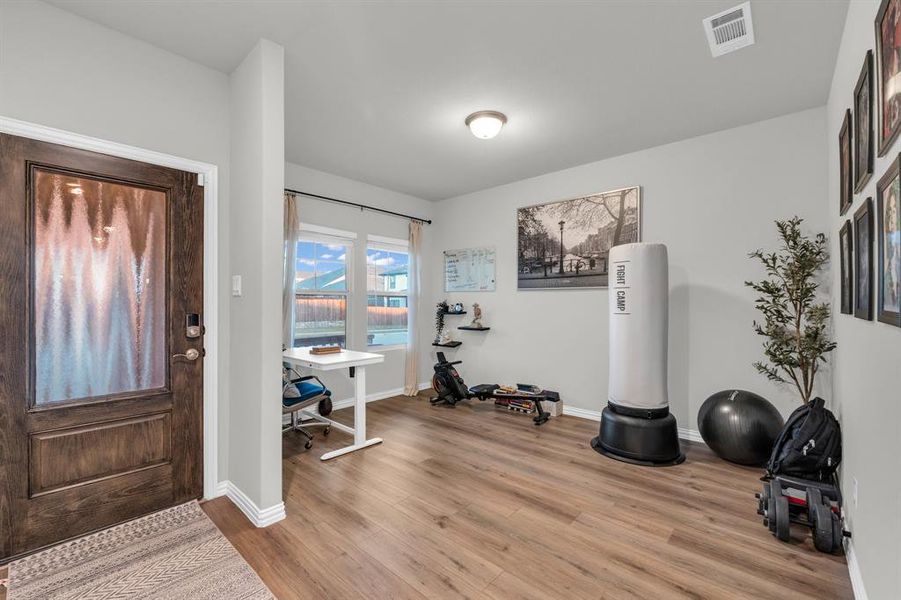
(190, 354)
(193, 328)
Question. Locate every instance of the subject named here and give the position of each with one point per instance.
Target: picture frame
(846, 281)
(862, 134)
(888, 74)
(888, 208)
(845, 158)
(565, 244)
(863, 260)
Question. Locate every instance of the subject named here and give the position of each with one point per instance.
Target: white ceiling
(377, 91)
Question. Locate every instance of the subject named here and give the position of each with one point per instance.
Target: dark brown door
(101, 268)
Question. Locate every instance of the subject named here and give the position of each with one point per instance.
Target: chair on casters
(301, 392)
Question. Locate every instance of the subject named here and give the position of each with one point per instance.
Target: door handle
(190, 354)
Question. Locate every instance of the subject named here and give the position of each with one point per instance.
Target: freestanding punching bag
(636, 425)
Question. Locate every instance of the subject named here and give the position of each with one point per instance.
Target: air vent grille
(730, 30)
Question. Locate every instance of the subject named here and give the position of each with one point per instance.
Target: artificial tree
(794, 324)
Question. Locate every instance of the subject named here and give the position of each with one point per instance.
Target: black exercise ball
(740, 426)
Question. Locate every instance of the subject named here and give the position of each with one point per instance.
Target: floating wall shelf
(467, 328)
(448, 345)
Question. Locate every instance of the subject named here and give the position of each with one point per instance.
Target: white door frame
(210, 263)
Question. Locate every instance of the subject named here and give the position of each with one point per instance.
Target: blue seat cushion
(308, 390)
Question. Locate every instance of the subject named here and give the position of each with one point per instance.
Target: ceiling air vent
(730, 30)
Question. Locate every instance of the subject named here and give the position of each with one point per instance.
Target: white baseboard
(260, 517)
(690, 435)
(582, 413)
(221, 490)
(373, 397)
(860, 593)
(376, 396)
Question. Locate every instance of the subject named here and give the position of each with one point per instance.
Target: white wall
(388, 377)
(867, 375)
(256, 254)
(710, 199)
(63, 71)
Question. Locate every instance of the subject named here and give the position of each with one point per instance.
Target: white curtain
(292, 226)
(411, 378)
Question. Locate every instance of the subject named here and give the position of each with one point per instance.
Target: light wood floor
(475, 502)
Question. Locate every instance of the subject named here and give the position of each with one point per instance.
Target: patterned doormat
(175, 553)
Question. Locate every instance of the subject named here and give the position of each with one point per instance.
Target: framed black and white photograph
(863, 263)
(845, 158)
(888, 73)
(888, 209)
(846, 249)
(863, 124)
(565, 244)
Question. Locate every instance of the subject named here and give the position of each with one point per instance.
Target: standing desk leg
(360, 440)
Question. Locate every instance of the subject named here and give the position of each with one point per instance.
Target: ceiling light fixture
(485, 124)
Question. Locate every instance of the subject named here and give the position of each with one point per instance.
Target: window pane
(320, 319)
(99, 288)
(386, 320)
(321, 267)
(386, 271)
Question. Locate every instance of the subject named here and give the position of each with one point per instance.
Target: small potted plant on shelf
(795, 325)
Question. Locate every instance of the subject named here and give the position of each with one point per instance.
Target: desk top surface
(328, 362)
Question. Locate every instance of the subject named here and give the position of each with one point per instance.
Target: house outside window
(322, 290)
(387, 275)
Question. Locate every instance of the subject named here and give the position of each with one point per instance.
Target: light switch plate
(236, 285)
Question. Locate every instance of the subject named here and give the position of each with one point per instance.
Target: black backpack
(810, 444)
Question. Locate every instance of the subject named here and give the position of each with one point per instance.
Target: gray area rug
(175, 553)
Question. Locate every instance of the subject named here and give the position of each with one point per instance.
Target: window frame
(388, 244)
(326, 235)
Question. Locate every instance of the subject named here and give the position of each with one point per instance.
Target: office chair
(301, 392)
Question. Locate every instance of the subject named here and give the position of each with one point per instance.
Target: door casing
(209, 173)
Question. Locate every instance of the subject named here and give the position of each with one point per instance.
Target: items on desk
(325, 349)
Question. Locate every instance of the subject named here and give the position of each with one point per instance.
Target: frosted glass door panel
(99, 288)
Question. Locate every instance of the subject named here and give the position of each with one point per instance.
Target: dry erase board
(469, 270)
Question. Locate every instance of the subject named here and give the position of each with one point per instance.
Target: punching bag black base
(639, 440)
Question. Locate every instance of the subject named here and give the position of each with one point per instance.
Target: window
(321, 290)
(386, 285)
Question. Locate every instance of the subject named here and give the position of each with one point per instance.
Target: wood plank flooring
(475, 502)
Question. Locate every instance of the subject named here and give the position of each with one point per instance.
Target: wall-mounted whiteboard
(469, 270)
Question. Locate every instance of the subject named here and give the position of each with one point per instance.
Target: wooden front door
(101, 291)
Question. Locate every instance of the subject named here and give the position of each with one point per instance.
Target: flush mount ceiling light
(485, 124)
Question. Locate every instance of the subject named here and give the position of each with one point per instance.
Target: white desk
(356, 362)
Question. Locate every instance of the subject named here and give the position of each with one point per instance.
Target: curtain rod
(360, 206)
